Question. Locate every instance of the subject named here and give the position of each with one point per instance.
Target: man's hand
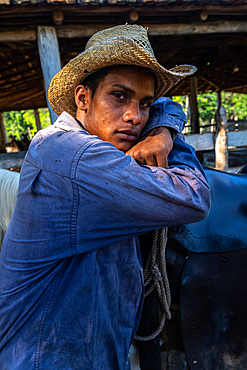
(154, 148)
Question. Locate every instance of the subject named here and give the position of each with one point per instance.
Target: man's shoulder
(58, 147)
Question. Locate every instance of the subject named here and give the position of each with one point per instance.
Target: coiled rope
(155, 276)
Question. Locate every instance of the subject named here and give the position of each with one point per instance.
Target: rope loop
(156, 273)
(155, 277)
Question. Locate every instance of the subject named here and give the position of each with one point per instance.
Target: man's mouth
(129, 135)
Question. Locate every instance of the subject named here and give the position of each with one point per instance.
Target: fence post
(221, 142)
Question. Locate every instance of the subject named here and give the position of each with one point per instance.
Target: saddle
(210, 281)
(225, 228)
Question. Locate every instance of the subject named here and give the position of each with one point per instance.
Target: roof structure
(210, 34)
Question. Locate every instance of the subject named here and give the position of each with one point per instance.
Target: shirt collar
(67, 123)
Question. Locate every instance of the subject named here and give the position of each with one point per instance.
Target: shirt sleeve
(120, 199)
(166, 113)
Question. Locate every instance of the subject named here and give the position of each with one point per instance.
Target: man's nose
(132, 114)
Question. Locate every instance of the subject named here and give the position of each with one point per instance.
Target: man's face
(120, 107)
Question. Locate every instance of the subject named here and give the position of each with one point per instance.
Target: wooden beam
(25, 94)
(197, 28)
(74, 31)
(18, 36)
(49, 58)
(170, 8)
(20, 96)
(71, 31)
(238, 87)
(12, 160)
(210, 82)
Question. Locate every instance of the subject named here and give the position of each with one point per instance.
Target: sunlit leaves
(23, 122)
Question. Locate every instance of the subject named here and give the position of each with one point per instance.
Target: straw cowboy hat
(116, 46)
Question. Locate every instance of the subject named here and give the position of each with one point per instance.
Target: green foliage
(44, 117)
(23, 122)
(235, 105)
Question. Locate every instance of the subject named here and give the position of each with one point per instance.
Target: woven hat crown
(136, 33)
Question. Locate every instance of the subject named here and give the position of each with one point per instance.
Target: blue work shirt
(71, 280)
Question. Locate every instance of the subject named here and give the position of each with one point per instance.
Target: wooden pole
(2, 132)
(194, 114)
(37, 119)
(221, 141)
(49, 58)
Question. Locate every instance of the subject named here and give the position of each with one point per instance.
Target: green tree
(23, 122)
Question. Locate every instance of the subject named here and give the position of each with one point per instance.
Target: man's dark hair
(92, 81)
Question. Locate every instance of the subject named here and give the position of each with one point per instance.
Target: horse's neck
(9, 183)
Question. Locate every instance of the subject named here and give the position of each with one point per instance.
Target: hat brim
(115, 52)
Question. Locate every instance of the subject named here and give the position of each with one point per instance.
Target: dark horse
(207, 269)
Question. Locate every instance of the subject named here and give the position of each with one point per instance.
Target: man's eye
(119, 96)
(145, 104)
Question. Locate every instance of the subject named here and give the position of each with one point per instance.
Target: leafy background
(23, 122)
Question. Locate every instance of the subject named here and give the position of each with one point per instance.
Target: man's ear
(82, 97)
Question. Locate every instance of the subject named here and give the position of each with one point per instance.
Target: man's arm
(166, 120)
(121, 199)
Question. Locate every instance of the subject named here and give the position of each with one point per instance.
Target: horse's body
(9, 183)
(207, 267)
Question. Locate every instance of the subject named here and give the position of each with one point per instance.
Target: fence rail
(206, 141)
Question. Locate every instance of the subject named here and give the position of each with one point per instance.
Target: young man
(71, 279)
